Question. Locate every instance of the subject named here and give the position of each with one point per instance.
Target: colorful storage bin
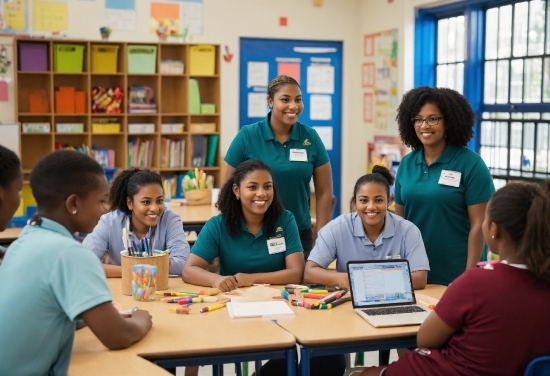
(68, 58)
(33, 57)
(202, 60)
(104, 58)
(142, 59)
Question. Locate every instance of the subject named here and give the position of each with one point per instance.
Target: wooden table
(342, 331)
(10, 234)
(184, 340)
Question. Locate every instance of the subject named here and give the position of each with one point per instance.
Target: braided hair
(231, 208)
(127, 184)
(279, 82)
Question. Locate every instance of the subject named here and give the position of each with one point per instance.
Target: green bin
(142, 59)
(68, 58)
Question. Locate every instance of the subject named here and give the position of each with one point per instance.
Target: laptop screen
(380, 283)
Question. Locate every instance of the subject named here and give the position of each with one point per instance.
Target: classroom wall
(225, 21)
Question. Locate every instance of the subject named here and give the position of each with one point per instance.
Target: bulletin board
(317, 66)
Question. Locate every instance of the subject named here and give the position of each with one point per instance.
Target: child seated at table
(52, 280)
(494, 320)
(256, 240)
(136, 203)
(371, 232)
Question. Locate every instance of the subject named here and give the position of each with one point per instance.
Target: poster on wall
(50, 16)
(14, 16)
(120, 14)
(379, 76)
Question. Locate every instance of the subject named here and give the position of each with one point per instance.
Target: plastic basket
(68, 58)
(142, 59)
(104, 58)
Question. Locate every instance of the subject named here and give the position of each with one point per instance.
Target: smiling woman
(136, 202)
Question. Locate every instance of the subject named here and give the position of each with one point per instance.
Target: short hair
(279, 82)
(380, 175)
(459, 116)
(9, 167)
(521, 209)
(231, 208)
(62, 173)
(127, 184)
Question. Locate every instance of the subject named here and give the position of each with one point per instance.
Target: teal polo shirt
(257, 141)
(441, 211)
(246, 253)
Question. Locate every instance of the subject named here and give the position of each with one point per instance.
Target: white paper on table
(257, 105)
(320, 107)
(257, 74)
(325, 134)
(258, 309)
(320, 79)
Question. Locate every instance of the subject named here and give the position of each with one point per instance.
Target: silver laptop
(382, 293)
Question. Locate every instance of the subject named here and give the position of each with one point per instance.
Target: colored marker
(317, 291)
(180, 310)
(339, 301)
(208, 299)
(212, 307)
(314, 296)
(330, 298)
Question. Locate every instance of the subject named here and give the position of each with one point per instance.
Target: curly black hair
(521, 209)
(459, 116)
(126, 184)
(231, 208)
(62, 173)
(10, 166)
(380, 175)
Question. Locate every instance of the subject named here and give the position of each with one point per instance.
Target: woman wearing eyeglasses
(442, 186)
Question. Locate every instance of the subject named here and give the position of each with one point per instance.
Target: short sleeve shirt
(440, 211)
(344, 239)
(257, 141)
(54, 279)
(246, 253)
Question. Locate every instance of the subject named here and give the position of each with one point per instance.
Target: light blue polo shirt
(441, 211)
(257, 141)
(344, 239)
(169, 234)
(246, 253)
(50, 279)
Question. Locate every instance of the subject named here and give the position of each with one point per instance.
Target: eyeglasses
(430, 121)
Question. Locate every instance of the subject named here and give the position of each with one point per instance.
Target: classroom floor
(371, 359)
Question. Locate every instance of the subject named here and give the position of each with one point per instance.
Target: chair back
(540, 366)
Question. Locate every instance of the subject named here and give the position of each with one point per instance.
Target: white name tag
(298, 155)
(276, 245)
(450, 178)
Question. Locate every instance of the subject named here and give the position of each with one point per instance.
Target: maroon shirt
(502, 321)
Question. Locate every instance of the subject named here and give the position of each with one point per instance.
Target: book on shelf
(213, 141)
(140, 152)
(172, 152)
(105, 157)
(200, 149)
(84, 149)
(141, 99)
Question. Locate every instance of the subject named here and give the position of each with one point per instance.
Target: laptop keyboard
(392, 310)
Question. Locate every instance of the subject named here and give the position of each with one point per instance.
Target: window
(505, 75)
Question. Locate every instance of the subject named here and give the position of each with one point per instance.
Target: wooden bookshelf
(170, 94)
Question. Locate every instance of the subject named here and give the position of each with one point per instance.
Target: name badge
(450, 178)
(298, 155)
(276, 245)
(393, 257)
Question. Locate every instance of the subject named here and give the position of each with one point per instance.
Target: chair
(540, 366)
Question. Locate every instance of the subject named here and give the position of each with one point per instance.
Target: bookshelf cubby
(171, 95)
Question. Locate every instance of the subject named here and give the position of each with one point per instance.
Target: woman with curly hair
(256, 240)
(442, 186)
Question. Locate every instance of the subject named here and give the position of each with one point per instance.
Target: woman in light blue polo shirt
(293, 151)
(256, 240)
(136, 201)
(369, 233)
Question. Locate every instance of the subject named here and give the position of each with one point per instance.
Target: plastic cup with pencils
(144, 281)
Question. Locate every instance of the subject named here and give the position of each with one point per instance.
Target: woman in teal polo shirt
(256, 240)
(442, 186)
(295, 154)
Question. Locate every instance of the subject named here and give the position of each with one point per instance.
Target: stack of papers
(258, 309)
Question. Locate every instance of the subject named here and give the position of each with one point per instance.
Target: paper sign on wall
(289, 69)
(258, 74)
(50, 16)
(257, 105)
(320, 107)
(320, 79)
(325, 133)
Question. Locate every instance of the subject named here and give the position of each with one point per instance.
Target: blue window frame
(506, 77)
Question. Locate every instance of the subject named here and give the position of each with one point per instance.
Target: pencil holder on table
(160, 259)
(144, 279)
(198, 196)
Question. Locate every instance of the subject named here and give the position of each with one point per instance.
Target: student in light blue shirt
(136, 200)
(54, 280)
(369, 233)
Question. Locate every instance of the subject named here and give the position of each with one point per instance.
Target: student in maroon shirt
(492, 321)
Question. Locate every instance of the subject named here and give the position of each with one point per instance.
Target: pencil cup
(160, 259)
(198, 196)
(144, 280)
